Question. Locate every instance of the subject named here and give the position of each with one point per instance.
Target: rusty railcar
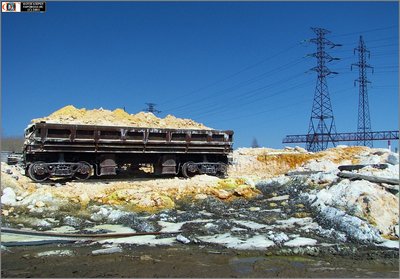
(80, 151)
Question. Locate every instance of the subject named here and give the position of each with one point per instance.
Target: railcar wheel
(38, 172)
(186, 170)
(84, 171)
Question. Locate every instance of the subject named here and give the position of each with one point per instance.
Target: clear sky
(239, 66)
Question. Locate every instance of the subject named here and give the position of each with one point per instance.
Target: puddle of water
(298, 264)
(243, 265)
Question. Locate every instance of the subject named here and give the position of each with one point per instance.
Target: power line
(245, 95)
(305, 100)
(364, 31)
(251, 66)
(248, 96)
(237, 86)
(215, 107)
(373, 47)
(254, 65)
(261, 98)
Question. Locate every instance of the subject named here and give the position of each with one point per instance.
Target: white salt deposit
(170, 227)
(112, 228)
(236, 229)
(322, 177)
(300, 241)
(281, 180)
(110, 250)
(8, 197)
(362, 198)
(392, 171)
(320, 165)
(56, 253)
(63, 229)
(370, 159)
(279, 198)
(251, 225)
(393, 159)
(257, 242)
(150, 240)
(390, 244)
(182, 239)
(291, 222)
(175, 227)
(278, 238)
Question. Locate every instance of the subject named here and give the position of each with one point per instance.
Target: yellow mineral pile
(118, 117)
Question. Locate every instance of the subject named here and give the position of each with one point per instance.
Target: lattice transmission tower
(322, 122)
(151, 107)
(364, 120)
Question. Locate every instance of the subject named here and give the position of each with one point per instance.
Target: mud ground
(186, 261)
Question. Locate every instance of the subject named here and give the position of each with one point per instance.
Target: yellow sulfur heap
(118, 117)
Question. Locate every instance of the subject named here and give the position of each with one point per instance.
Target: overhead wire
(363, 31)
(223, 92)
(352, 49)
(251, 66)
(266, 59)
(219, 108)
(222, 110)
(276, 108)
(264, 97)
(248, 94)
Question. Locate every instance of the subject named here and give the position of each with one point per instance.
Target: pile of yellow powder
(118, 117)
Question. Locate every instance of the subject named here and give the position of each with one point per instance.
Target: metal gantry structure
(344, 137)
(364, 120)
(322, 122)
(322, 130)
(151, 107)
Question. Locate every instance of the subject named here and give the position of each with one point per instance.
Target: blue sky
(239, 66)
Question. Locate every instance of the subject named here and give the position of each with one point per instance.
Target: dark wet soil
(184, 261)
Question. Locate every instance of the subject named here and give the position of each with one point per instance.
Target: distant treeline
(13, 144)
